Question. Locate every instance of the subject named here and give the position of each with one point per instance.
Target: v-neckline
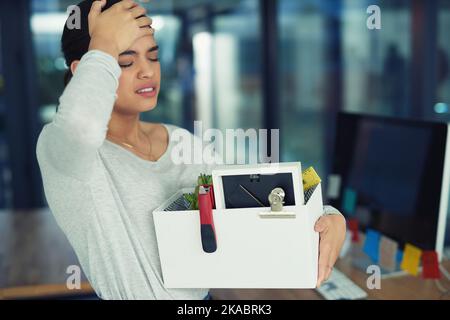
(146, 162)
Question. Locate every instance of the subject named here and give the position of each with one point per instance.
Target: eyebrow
(132, 52)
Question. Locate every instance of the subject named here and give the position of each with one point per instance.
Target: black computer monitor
(399, 170)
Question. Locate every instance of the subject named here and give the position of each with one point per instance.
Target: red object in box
(211, 193)
(208, 232)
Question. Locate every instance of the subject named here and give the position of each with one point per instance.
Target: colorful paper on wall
(399, 257)
(388, 253)
(349, 201)
(334, 186)
(411, 259)
(430, 265)
(354, 229)
(372, 245)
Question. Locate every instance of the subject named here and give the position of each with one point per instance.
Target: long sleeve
(71, 141)
(329, 210)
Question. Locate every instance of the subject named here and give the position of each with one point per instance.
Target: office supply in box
(208, 233)
(272, 245)
(252, 190)
(310, 180)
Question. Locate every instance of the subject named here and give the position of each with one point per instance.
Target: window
(303, 75)
(237, 67)
(47, 23)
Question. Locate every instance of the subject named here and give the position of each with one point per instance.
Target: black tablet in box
(249, 186)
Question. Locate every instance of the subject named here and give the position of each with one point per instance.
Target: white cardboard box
(252, 252)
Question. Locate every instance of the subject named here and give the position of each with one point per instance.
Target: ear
(74, 65)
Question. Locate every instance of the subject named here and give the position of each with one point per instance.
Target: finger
(333, 258)
(94, 12)
(127, 4)
(320, 278)
(138, 11)
(324, 274)
(96, 8)
(327, 276)
(320, 225)
(146, 31)
(324, 258)
(144, 21)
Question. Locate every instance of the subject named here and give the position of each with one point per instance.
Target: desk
(396, 288)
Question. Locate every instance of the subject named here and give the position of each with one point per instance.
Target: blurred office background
(287, 64)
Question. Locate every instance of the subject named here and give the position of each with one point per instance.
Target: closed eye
(153, 56)
(126, 65)
(131, 63)
(152, 51)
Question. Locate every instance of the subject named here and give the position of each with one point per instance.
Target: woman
(104, 171)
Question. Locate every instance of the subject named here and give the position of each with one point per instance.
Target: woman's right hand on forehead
(115, 29)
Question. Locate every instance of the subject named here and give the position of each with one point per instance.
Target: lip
(147, 94)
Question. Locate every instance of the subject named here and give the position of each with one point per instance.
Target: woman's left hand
(332, 230)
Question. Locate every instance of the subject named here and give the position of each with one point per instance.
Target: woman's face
(140, 80)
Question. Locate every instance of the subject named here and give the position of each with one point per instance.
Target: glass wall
(442, 106)
(376, 66)
(47, 22)
(5, 172)
(303, 76)
(237, 67)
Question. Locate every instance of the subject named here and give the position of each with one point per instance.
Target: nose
(146, 70)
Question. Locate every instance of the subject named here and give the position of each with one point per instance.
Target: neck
(126, 127)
